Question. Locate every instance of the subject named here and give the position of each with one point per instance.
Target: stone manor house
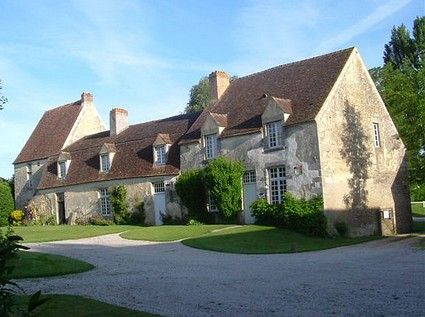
(312, 127)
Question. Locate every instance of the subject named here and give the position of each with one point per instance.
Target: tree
(401, 82)
(3, 99)
(200, 95)
(119, 204)
(6, 203)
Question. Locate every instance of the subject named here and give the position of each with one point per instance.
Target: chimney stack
(86, 97)
(118, 120)
(219, 81)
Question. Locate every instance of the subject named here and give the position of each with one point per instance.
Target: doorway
(249, 195)
(61, 208)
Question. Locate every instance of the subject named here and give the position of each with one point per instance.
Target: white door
(249, 195)
(159, 202)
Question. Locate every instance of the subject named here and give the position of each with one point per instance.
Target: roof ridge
(65, 105)
(296, 62)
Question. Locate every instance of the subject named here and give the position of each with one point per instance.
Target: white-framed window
(159, 187)
(376, 135)
(104, 162)
(160, 154)
(105, 204)
(62, 169)
(249, 177)
(211, 149)
(29, 174)
(277, 184)
(212, 204)
(274, 134)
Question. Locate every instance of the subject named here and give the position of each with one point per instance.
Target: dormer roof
(64, 156)
(107, 148)
(162, 138)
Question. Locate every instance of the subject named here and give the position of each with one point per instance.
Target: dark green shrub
(417, 192)
(6, 203)
(223, 179)
(98, 220)
(137, 217)
(305, 216)
(119, 204)
(191, 189)
(341, 227)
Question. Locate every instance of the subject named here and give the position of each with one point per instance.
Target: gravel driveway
(379, 278)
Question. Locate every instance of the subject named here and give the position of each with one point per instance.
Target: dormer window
(160, 154)
(104, 162)
(274, 134)
(106, 155)
(161, 146)
(64, 160)
(62, 169)
(210, 142)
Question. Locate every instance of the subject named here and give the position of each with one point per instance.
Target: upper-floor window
(104, 162)
(376, 135)
(105, 204)
(274, 134)
(277, 184)
(160, 155)
(62, 169)
(211, 149)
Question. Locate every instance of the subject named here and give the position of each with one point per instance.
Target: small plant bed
(76, 306)
(418, 210)
(56, 233)
(35, 264)
(255, 239)
(169, 233)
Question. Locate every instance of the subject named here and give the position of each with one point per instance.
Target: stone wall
(359, 178)
(83, 201)
(300, 151)
(24, 189)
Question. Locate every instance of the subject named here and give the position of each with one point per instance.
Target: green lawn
(35, 264)
(77, 306)
(418, 210)
(261, 239)
(54, 233)
(169, 233)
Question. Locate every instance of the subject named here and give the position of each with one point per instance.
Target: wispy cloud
(346, 35)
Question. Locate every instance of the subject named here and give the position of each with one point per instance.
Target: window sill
(277, 148)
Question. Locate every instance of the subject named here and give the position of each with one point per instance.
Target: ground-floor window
(159, 187)
(105, 204)
(277, 184)
(212, 204)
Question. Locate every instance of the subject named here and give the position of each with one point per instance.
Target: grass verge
(63, 232)
(35, 264)
(260, 240)
(418, 210)
(169, 233)
(76, 306)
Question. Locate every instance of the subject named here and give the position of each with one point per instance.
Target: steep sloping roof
(133, 156)
(306, 84)
(50, 133)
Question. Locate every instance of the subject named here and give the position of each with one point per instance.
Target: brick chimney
(219, 81)
(118, 120)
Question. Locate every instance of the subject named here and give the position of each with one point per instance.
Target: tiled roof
(306, 84)
(50, 133)
(133, 156)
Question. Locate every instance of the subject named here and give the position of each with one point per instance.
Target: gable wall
(88, 122)
(358, 178)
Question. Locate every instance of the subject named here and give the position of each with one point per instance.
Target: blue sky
(145, 55)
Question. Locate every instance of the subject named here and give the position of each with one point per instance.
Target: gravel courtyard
(379, 278)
